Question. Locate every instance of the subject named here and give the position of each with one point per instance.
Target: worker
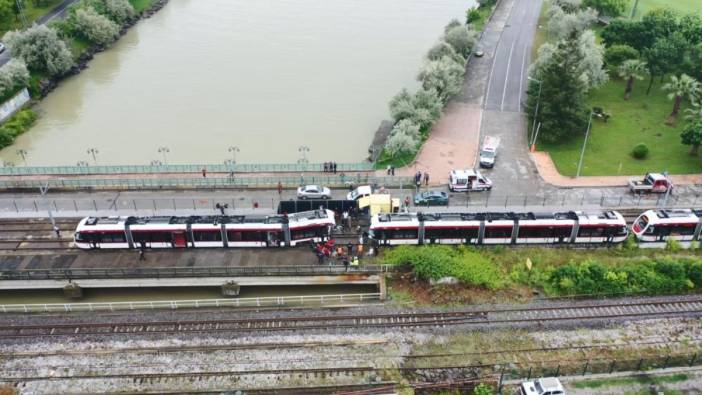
(354, 262)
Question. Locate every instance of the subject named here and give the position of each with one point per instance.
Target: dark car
(431, 198)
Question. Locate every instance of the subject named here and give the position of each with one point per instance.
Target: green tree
(665, 57)
(404, 138)
(94, 27)
(613, 8)
(691, 28)
(462, 39)
(631, 33)
(692, 135)
(630, 70)
(618, 53)
(41, 49)
(692, 62)
(563, 112)
(472, 15)
(445, 76)
(7, 9)
(680, 88)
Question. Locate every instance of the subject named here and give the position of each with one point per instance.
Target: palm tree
(631, 70)
(680, 88)
(694, 112)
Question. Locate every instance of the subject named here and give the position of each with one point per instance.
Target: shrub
(445, 76)
(672, 245)
(483, 389)
(619, 53)
(120, 11)
(13, 76)
(15, 126)
(462, 39)
(640, 151)
(472, 15)
(404, 138)
(443, 49)
(94, 27)
(630, 243)
(41, 49)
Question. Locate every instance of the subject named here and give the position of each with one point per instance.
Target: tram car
(495, 228)
(204, 231)
(654, 228)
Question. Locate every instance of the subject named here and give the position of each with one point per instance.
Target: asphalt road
(57, 12)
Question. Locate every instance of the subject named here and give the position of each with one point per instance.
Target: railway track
(516, 316)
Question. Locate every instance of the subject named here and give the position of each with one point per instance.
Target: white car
(544, 386)
(313, 192)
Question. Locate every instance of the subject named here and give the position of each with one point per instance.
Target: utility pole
(21, 14)
(633, 10)
(582, 153)
(536, 109)
(43, 190)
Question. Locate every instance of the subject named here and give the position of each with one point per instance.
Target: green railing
(208, 182)
(211, 168)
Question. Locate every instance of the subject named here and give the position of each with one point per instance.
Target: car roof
(551, 384)
(311, 187)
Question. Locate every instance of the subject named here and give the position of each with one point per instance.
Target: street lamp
(303, 149)
(93, 152)
(164, 151)
(233, 149)
(536, 109)
(582, 153)
(23, 153)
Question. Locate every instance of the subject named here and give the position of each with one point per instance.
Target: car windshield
(487, 154)
(641, 223)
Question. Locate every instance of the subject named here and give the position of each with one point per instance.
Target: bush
(672, 245)
(41, 49)
(472, 15)
(120, 11)
(404, 138)
(462, 39)
(640, 151)
(16, 125)
(619, 53)
(445, 76)
(435, 262)
(94, 27)
(13, 76)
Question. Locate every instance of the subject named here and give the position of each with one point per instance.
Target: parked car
(543, 386)
(313, 192)
(431, 198)
(479, 52)
(652, 182)
(468, 180)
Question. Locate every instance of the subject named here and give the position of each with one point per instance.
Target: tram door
(179, 240)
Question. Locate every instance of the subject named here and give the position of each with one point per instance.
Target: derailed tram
(204, 231)
(656, 227)
(495, 228)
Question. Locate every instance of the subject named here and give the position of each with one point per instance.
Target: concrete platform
(155, 258)
(350, 278)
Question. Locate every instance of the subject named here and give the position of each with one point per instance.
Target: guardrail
(192, 168)
(185, 272)
(205, 182)
(303, 300)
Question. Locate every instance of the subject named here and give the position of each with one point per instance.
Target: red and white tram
(490, 228)
(205, 231)
(655, 227)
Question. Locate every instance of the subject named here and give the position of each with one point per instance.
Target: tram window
(253, 236)
(151, 237)
(683, 230)
(536, 233)
(458, 233)
(307, 233)
(493, 233)
(210, 235)
(591, 232)
(401, 234)
(111, 238)
(234, 235)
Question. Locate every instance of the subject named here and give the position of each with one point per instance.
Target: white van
(488, 153)
(361, 191)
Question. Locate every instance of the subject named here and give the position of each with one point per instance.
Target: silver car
(313, 192)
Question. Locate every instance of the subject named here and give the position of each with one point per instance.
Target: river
(264, 76)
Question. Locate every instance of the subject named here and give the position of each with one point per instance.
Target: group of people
(348, 255)
(330, 167)
(391, 170)
(418, 177)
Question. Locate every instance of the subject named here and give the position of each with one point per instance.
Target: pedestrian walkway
(549, 173)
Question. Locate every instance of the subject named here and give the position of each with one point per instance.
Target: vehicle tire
(303, 197)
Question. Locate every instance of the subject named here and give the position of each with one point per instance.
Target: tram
(204, 231)
(495, 228)
(656, 227)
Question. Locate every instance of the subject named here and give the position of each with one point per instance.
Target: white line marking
(504, 90)
(492, 68)
(521, 78)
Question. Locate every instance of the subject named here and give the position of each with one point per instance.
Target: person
(345, 218)
(349, 248)
(407, 201)
(346, 264)
(359, 249)
(355, 262)
(255, 205)
(392, 170)
(334, 166)
(426, 178)
(280, 188)
(326, 167)
(320, 257)
(389, 169)
(350, 187)
(142, 249)
(204, 173)
(57, 231)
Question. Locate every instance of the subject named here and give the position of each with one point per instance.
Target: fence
(305, 300)
(180, 272)
(212, 168)
(205, 182)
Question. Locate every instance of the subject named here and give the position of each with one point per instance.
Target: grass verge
(638, 120)
(620, 381)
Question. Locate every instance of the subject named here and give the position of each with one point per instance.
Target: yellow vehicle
(380, 203)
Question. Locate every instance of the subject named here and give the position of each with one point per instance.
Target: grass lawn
(684, 6)
(33, 13)
(639, 120)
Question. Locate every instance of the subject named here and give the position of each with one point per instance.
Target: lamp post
(303, 149)
(93, 152)
(536, 109)
(164, 151)
(23, 153)
(233, 149)
(582, 152)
